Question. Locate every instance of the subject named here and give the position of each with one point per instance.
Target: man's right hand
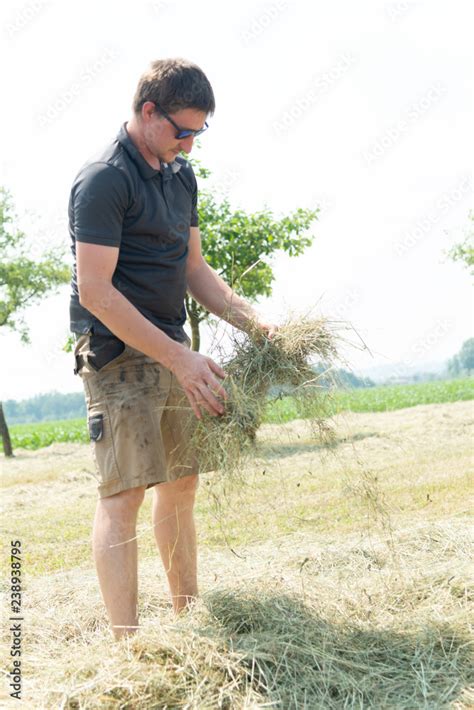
(196, 374)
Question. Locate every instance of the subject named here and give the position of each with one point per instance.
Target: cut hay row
(293, 626)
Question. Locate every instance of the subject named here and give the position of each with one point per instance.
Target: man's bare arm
(212, 292)
(196, 373)
(95, 267)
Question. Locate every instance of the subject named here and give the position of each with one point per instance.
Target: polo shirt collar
(146, 171)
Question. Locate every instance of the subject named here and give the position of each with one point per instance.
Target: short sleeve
(194, 199)
(99, 201)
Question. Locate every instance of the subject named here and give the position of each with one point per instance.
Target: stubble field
(332, 579)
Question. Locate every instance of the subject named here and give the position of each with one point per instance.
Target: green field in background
(383, 398)
(373, 399)
(39, 434)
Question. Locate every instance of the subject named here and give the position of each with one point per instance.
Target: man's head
(172, 97)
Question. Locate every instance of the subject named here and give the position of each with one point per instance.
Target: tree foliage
(239, 245)
(464, 251)
(463, 362)
(23, 281)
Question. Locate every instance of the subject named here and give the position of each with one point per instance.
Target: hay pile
(259, 366)
(327, 626)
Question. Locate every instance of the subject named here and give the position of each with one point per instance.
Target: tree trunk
(196, 337)
(194, 319)
(7, 444)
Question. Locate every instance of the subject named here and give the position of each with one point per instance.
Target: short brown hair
(175, 84)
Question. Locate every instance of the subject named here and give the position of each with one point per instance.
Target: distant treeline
(341, 378)
(45, 408)
(56, 406)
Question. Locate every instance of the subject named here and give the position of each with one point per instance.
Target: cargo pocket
(96, 427)
(100, 434)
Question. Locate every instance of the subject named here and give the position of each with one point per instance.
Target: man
(135, 239)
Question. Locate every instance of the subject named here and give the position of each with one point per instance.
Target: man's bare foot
(120, 631)
(184, 604)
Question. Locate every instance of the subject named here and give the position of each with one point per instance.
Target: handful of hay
(257, 367)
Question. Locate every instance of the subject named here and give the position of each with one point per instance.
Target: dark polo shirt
(119, 200)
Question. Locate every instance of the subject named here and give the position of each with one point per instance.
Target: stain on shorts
(140, 421)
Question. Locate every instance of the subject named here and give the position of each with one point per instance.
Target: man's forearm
(127, 323)
(212, 292)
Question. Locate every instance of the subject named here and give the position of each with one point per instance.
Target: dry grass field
(331, 579)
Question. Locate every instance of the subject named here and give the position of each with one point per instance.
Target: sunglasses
(182, 132)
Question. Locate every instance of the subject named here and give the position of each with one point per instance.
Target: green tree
(239, 246)
(466, 355)
(463, 362)
(464, 251)
(454, 367)
(23, 281)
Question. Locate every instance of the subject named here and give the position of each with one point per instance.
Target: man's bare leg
(116, 559)
(175, 533)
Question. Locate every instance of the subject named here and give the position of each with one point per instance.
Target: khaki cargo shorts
(139, 419)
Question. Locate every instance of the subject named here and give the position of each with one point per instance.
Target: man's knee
(124, 504)
(185, 486)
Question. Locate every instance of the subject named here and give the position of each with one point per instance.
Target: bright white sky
(380, 138)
